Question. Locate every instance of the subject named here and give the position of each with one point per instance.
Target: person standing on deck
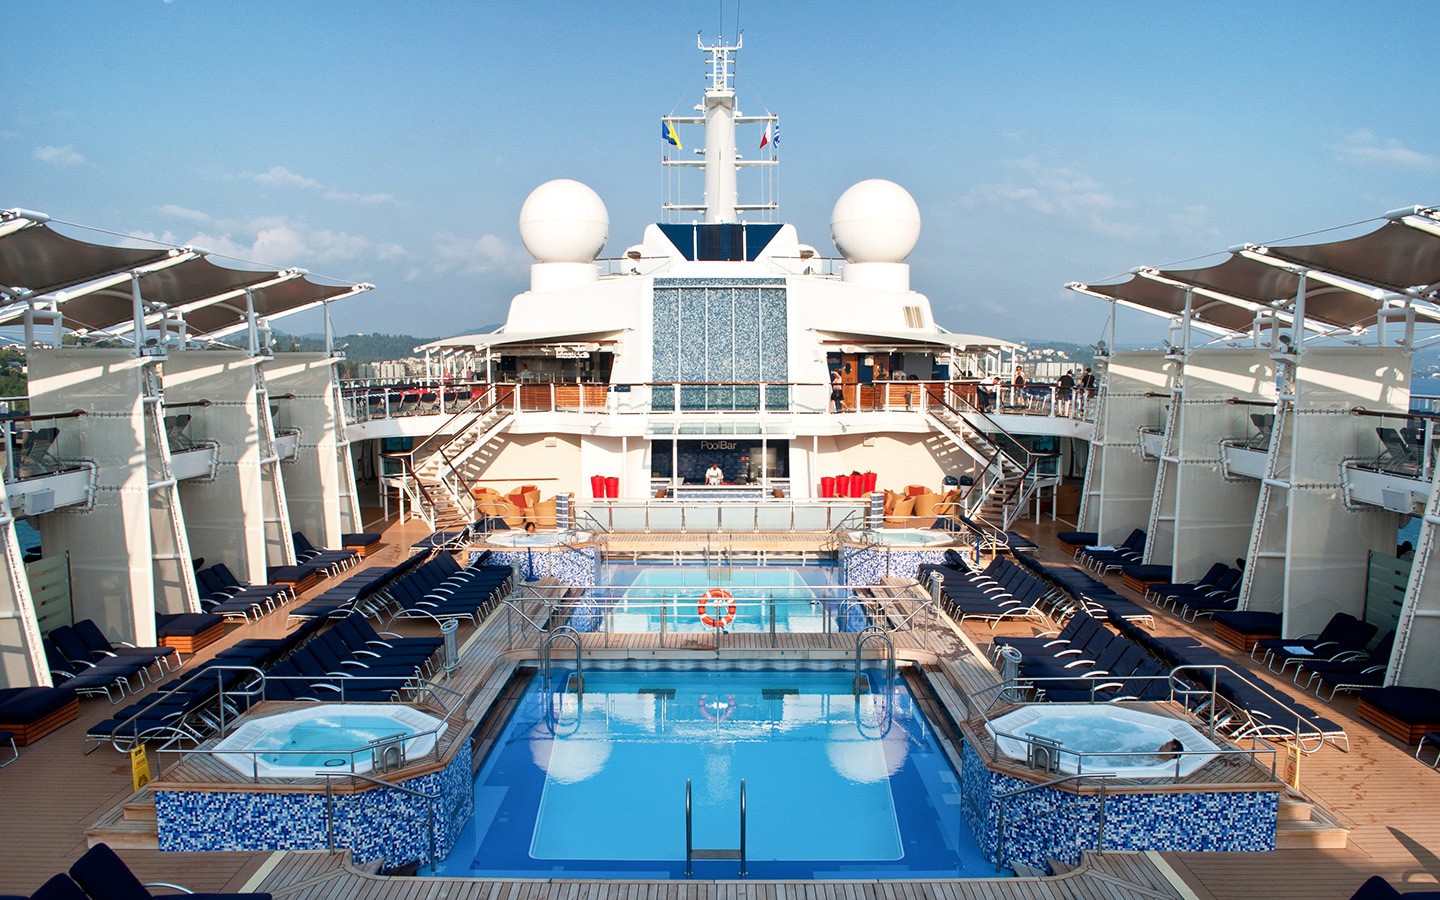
(714, 475)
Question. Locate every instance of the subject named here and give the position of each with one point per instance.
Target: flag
(765, 138)
(775, 137)
(667, 131)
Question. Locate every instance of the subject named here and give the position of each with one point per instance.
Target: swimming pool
(593, 786)
(639, 599)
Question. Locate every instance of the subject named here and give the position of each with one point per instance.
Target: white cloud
(181, 212)
(487, 254)
(279, 176)
(1056, 191)
(351, 197)
(1364, 147)
(60, 156)
(279, 242)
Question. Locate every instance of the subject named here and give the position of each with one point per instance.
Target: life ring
(704, 609)
(717, 711)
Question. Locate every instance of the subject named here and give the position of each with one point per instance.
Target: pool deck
(54, 793)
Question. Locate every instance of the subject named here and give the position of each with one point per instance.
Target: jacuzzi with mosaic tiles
(265, 785)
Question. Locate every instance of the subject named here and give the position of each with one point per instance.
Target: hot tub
(902, 537)
(327, 737)
(1112, 738)
(536, 539)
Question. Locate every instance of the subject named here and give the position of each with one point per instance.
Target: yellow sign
(139, 766)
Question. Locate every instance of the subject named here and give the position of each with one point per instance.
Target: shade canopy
(1347, 282)
(92, 285)
(492, 339)
(929, 339)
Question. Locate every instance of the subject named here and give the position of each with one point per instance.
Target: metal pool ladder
(693, 853)
(565, 632)
(873, 633)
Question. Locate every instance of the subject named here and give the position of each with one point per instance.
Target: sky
(394, 143)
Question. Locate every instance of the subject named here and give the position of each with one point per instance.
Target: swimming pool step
(1303, 825)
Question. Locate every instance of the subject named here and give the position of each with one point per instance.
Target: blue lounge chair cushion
(187, 624)
(1250, 623)
(1082, 538)
(1415, 705)
(61, 887)
(364, 539)
(30, 704)
(1148, 573)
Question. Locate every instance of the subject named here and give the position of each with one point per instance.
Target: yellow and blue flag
(667, 131)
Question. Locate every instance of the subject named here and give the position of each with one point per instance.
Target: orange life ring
(726, 618)
(717, 711)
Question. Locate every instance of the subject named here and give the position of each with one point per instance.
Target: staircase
(1004, 466)
(129, 826)
(441, 492)
(1301, 824)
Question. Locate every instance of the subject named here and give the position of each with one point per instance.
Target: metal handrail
(563, 631)
(873, 632)
(330, 805)
(159, 696)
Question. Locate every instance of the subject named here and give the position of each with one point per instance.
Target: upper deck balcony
(418, 408)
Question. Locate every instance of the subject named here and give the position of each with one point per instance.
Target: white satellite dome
(564, 221)
(875, 221)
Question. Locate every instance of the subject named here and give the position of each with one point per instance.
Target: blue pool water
(634, 599)
(324, 736)
(594, 786)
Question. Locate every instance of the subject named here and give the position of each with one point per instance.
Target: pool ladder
(569, 633)
(693, 853)
(873, 632)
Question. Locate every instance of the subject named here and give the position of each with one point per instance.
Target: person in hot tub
(529, 527)
(1170, 749)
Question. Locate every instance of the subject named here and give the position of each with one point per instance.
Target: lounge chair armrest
(165, 884)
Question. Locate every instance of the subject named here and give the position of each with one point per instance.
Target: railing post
(329, 815)
(771, 598)
(1000, 834)
(1100, 832)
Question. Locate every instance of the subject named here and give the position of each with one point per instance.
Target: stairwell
(130, 826)
(1300, 824)
(442, 495)
(1001, 487)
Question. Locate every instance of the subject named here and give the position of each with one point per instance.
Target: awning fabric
(948, 339)
(506, 338)
(68, 271)
(1390, 259)
(41, 260)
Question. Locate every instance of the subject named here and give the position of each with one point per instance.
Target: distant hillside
(359, 348)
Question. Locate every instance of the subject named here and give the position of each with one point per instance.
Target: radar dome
(564, 221)
(875, 221)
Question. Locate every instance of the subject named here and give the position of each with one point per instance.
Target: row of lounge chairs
(1084, 591)
(1218, 590)
(1085, 661)
(352, 662)
(440, 588)
(102, 875)
(1003, 590)
(223, 594)
(81, 658)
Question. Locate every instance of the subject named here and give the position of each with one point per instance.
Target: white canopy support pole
(329, 329)
(225, 296)
(137, 304)
(1298, 328)
(252, 330)
(1185, 320)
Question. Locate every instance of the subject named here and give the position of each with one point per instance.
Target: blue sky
(394, 142)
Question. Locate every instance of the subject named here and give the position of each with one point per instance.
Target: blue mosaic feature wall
(570, 565)
(1047, 824)
(867, 565)
(717, 331)
(377, 824)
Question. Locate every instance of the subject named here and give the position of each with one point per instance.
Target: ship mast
(721, 201)
(721, 193)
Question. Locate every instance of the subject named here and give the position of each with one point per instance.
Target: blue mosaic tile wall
(571, 565)
(867, 565)
(1047, 824)
(719, 331)
(379, 824)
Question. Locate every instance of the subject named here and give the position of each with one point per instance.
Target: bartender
(714, 475)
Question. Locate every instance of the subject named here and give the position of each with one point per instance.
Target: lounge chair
(1348, 673)
(1377, 888)
(1264, 426)
(175, 435)
(104, 876)
(1407, 713)
(37, 455)
(1343, 634)
(1397, 456)
(99, 646)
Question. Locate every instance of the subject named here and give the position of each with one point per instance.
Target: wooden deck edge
(1170, 875)
(252, 884)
